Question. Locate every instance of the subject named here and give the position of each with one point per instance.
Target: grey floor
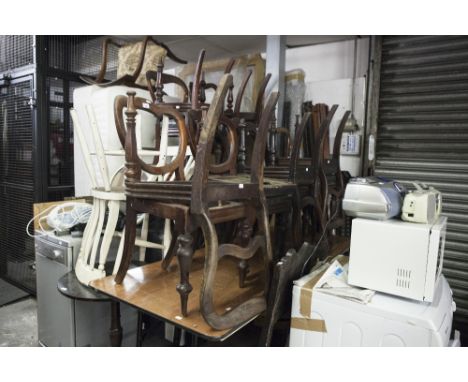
(18, 323)
(18, 327)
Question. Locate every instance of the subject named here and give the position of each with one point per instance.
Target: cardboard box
(323, 319)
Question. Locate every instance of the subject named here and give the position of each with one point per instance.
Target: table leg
(139, 329)
(115, 332)
(177, 336)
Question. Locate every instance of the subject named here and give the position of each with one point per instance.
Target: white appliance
(397, 257)
(384, 321)
(102, 101)
(373, 198)
(66, 322)
(423, 205)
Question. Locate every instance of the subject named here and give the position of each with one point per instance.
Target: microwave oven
(396, 257)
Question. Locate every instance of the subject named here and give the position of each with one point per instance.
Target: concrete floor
(18, 327)
(18, 323)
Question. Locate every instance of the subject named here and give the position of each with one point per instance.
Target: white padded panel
(102, 101)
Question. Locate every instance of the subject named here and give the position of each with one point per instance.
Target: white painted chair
(107, 191)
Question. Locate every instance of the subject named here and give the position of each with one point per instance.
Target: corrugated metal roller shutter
(423, 134)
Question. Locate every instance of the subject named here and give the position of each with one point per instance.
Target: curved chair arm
(254, 117)
(258, 153)
(205, 146)
(168, 50)
(318, 176)
(261, 93)
(298, 136)
(100, 78)
(230, 96)
(196, 81)
(324, 129)
(229, 66)
(240, 93)
(339, 135)
(105, 47)
(102, 71)
(340, 186)
(318, 147)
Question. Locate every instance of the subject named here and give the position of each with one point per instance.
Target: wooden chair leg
(129, 242)
(118, 258)
(88, 236)
(144, 236)
(171, 252)
(184, 256)
(167, 237)
(109, 231)
(97, 233)
(178, 228)
(242, 239)
(239, 314)
(243, 267)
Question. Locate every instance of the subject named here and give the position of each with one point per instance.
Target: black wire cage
(37, 77)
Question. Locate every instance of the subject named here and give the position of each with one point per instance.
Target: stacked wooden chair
(217, 178)
(331, 184)
(200, 203)
(103, 159)
(137, 67)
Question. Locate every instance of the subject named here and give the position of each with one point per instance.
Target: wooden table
(152, 290)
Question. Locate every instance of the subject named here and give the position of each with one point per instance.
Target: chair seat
(222, 188)
(218, 213)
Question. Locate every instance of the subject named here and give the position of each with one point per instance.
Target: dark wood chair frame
(197, 204)
(195, 109)
(330, 187)
(128, 79)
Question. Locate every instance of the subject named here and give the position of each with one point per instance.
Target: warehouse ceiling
(188, 47)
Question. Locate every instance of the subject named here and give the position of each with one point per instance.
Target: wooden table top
(153, 290)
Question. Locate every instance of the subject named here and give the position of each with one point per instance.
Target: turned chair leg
(170, 254)
(184, 257)
(242, 239)
(243, 267)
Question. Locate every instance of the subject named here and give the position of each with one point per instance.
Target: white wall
(331, 61)
(328, 76)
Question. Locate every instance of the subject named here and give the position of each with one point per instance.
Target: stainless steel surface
(64, 321)
(423, 135)
(56, 253)
(55, 313)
